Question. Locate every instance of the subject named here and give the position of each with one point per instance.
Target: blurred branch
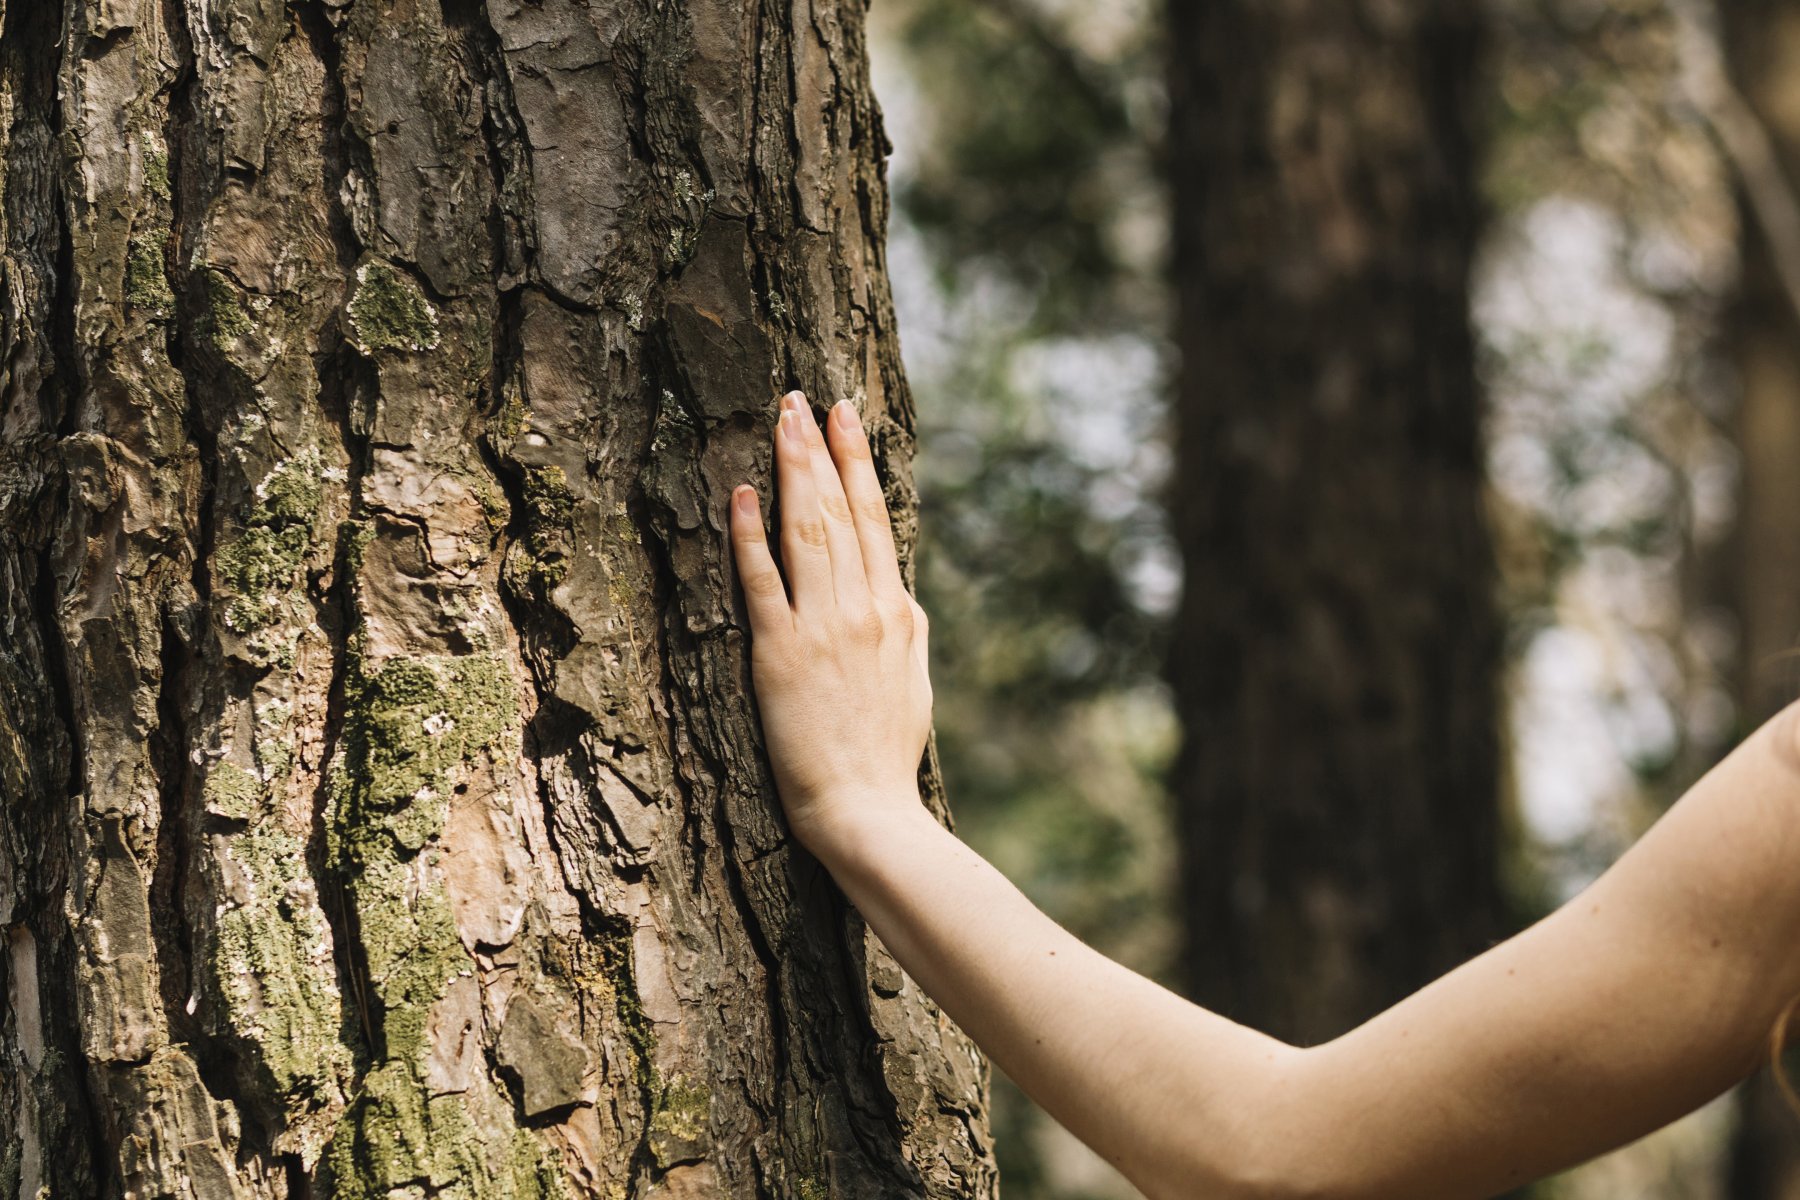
(1746, 143)
(1087, 76)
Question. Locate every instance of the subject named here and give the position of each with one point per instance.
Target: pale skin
(1645, 996)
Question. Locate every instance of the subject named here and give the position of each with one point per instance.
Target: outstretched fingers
(764, 593)
(868, 507)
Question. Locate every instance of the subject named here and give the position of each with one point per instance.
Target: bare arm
(1647, 995)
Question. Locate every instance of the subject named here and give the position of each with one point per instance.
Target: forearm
(1631, 1005)
(1639, 1000)
(1163, 1089)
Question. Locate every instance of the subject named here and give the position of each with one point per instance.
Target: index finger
(874, 531)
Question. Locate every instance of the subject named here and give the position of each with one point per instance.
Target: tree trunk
(1338, 643)
(1763, 332)
(384, 810)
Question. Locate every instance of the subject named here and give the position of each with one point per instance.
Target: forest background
(1634, 491)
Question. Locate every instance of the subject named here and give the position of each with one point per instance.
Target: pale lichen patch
(405, 1142)
(539, 559)
(154, 159)
(272, 964)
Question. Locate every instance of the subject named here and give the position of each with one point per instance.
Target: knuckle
(834, 507)
(904, 619)
(873, 509)
(865, 625)
(763, 584)
(809, 531)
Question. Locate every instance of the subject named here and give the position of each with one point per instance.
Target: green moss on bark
(223, 320)
(156, 165)
(389, 312)
(146, 276)
(232, 792)
(262, 567)
(272, 966)
(411, 726)
(509, 422)
(679, 1126)
(156, 174)
(538, 561)
(404, 1142)
(267, 968)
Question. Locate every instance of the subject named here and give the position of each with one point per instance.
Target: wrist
(847, 833)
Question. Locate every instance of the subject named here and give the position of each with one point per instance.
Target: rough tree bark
(1762, 40)
(383, 809)
(1338, 642)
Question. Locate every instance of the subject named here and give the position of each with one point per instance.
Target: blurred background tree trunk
(1762, 40)
(381, 808)
(1338, 653)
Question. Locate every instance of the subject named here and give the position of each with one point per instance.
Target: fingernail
(794, 401)
(790, 428)
(745, 499)
(846, 415)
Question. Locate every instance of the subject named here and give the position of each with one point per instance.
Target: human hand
(837, 652)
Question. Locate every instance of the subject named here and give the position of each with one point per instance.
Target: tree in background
(381, 807)
(1338, 657)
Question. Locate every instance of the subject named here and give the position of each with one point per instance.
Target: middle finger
(850, 579)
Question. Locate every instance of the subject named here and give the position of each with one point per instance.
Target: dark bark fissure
(542, 631)
(677, 646)
(336, 605)
(182, 663)
(31, 38)
(46, 598)
(67, 380)
(508, 153)
(169, 882)
(90, 1164)
(345, 379)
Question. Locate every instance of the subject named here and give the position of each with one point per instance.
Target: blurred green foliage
(1032, 156)
(1029, 226)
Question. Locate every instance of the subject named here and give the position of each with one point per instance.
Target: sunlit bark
(383, 809)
